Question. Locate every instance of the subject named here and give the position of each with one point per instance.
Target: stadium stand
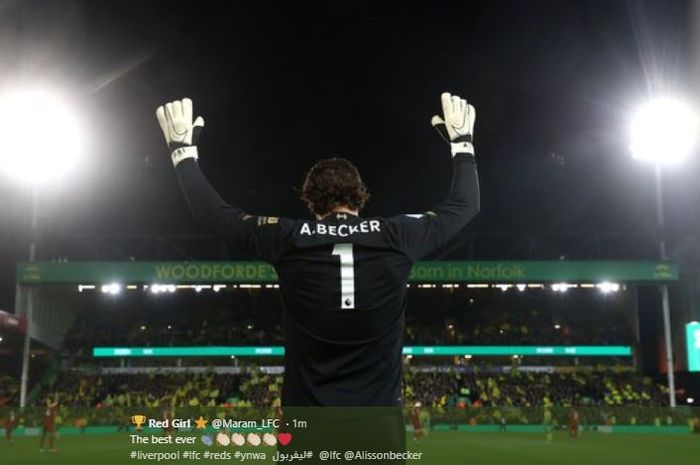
(461, 317)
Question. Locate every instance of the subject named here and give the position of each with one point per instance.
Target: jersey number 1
(347, 275)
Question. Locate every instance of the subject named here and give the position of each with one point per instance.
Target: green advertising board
(423, 272)
(692, 338)
(258, 351)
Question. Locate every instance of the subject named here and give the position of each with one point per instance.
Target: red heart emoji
(284, 438)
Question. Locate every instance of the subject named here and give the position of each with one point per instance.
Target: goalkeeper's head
(334, 184)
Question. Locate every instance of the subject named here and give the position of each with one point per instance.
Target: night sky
(282, 84)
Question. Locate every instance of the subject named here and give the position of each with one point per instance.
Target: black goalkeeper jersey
(343, 285)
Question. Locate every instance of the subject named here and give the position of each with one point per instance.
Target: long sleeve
(262, 237)
(419, 235)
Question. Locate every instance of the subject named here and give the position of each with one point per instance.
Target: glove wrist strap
(464, 138)
(182, 153)
(462, 147)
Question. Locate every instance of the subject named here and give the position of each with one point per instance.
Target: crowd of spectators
(495, 317)
(439, 387)
(610, 387)
(452, 394)
(141, 319)
(9, 390)
(449, 395)
(151, 390)
(433, 317)
(78, 389)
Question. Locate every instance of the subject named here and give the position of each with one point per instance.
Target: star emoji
(201, 422)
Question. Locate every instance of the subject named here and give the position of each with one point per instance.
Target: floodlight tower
(42, 142)
(663, 132)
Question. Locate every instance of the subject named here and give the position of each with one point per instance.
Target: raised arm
(258, 236)
(420, 234)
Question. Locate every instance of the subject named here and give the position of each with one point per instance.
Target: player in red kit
(418, 429)
(49, 424)
(169, 429)
(573, 424)
(9, 424)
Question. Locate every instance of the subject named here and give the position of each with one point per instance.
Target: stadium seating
(434, 317)
(438, 387)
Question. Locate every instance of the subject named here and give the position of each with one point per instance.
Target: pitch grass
(444, 448)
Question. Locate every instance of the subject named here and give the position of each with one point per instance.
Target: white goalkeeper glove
(457, 127)
(175, 119)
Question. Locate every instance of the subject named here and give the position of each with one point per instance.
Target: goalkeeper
(342, 277)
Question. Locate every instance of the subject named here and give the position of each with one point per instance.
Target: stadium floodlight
(557, 326)
(607, 287)
(0, 338)
(561, 287)
(163, 288)
(42, 137)
(663, 131)
(690, 400)
(521, 287)
(112, 288)
(42, 141)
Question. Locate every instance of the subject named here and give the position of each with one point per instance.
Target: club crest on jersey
(263, 220)
(340, 230)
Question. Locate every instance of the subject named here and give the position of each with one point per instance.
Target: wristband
(462, 147)
(182, 153)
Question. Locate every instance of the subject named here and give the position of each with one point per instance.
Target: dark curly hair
(333, 182)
